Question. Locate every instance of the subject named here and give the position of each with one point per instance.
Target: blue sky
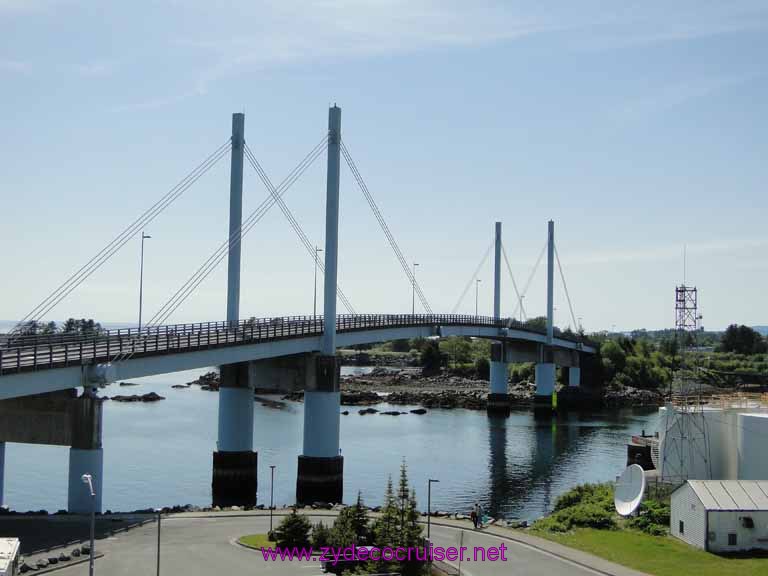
(639, 127)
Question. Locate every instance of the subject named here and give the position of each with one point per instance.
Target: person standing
(473, 516)
(476, 515)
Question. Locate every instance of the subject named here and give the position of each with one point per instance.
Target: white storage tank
(753, 455)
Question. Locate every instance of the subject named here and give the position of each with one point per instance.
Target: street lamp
(88, 481)
(477, 291)
(271, 496)
(429, 504)
(413, 293)
(141, 275)
(314, 306)
(159, 516)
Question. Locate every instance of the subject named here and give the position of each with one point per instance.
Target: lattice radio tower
(686, 445)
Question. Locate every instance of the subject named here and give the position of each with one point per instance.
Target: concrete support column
(2, 473)
(86, 455)
(235, 463)
(545, 385)
(498, 397)
(321, 469)
(546, 370)
(574, 376)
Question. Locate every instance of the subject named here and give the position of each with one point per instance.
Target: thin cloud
(17, 66)
(96, 69)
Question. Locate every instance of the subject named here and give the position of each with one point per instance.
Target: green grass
(658, 555)
(256, 541)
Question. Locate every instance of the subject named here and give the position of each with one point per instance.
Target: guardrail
(35, 352)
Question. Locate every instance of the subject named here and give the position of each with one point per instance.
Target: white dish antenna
(630, 489)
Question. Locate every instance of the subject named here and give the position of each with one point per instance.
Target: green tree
(483, 368)
(385, 526)
(293, 531)
(742, 340)
(321, 536)
(360, 521)
(430, 358)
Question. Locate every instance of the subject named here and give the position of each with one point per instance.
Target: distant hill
(762, 329)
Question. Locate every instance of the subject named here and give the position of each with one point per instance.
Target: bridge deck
(40, 352)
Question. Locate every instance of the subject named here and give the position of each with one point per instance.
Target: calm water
(160, 454)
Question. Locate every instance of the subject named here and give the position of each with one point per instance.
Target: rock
(85, 549)
(419, 411)
(390, 413)
(345, 413)
(64, 557)
(235, 508)
(128, 384)
(42, 563)
(24, 568)
(365, 411)
(362, 398)
(149, 397)
(216, 509)
(53, 560)
(76, 553)
(180, 386)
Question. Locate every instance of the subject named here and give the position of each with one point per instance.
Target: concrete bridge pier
(2, 473)
(235, 463)
(498, 397)
(321, 467)
(546, 370)
(86, 455)
(545, 385)
(574, 376)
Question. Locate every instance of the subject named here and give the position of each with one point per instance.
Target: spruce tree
(385, 527)
(293, 531)
(321, 536)
(360, 521)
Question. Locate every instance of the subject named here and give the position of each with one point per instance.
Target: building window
(681, 527)
(732, 541)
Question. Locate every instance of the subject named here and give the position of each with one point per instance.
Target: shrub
(321, 536)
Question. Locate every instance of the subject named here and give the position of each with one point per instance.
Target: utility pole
(413, 292)
(314, 305)
(477, 292)
(141, 275)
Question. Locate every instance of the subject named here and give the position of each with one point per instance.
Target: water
(160, 454)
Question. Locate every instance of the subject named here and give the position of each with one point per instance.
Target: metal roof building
(721, 515)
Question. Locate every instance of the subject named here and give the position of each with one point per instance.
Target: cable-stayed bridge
(37, 370)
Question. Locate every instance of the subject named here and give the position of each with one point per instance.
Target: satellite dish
(630, 489)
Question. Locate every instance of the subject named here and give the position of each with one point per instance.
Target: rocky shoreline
(408, 387)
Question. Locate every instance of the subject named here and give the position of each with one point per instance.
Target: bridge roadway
(39, 364)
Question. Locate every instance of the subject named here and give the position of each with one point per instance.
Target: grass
(658, 555)
(256, 541)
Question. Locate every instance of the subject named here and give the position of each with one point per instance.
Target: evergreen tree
(402, 498)
(343, 531)
(321, 536)
(360, 522)
(385, 526)
(412, 534)
(293, 531)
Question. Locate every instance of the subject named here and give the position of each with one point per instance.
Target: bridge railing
(41, 351)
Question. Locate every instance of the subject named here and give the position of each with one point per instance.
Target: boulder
(64, 557)
(42, 563)
(419, 411)
(365, 411)
(76, 553)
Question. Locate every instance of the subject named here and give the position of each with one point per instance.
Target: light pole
(413, 291)
(159, 516)
(429, 504)
(271, 497)
(477, 292)
(141, 274)
(314, 305)
(88, 481)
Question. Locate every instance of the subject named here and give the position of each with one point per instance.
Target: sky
(640, 128)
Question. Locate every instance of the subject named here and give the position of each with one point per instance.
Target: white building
(9, 556)
(721, 515)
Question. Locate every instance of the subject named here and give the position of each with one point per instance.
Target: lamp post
(413, 290)
(314, 305)
(429, 504)
(477, 292)
(159, 516)
(271, 496)
(88, 481)
(141, 274)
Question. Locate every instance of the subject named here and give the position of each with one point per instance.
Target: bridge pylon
(321, 467)
(546, 370)
(498, 397)
(234, 480)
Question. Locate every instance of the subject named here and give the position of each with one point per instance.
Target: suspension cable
(565, 287)
(514, 284)
(85, 271)
(310, 247)
(472, 278)
(390, 238)
(236, 238)
(532, 274)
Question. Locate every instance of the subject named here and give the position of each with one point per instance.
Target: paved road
(205, 546)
